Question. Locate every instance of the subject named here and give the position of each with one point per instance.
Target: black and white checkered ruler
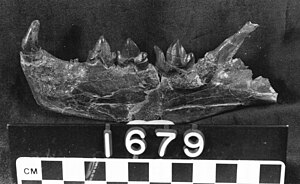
(34, 170)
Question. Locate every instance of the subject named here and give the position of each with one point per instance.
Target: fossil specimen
(122, 86)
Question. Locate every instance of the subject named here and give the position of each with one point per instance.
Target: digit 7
(169, 135)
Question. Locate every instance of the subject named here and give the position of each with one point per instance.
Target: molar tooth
(176, 54)
(161, 63)
(30, 41)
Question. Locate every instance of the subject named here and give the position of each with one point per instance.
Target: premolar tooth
(30, 41)
(176, 55)
(102, 50)
(101, 47)
(129, 51)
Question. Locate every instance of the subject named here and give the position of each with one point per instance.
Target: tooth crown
(122, 86)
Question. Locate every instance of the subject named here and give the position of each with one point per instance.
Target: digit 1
(107, 141)
(193, 148)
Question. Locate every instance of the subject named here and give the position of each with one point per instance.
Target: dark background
(70, 28)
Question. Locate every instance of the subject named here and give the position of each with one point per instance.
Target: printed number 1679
(136, 145)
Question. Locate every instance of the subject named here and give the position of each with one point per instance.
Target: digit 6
(193, 148)
(130, 141)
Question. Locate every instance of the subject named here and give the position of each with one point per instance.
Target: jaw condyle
(123, 85)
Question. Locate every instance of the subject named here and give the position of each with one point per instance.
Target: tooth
(130, 49)
(102, 50)
(229, 47)
(30, 41)
(176, 55)
(102, 45)
(141, 61)
(189, 60)
(161, 64)
(160, 59)
(141, 58)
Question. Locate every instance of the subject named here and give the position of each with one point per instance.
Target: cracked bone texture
(122, 86)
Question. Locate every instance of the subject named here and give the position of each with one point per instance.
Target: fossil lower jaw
(123, 86)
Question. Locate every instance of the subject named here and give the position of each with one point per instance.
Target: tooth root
(30, 41)
(176, 54)
(230, 46)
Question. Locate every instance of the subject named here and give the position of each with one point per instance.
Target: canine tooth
(30, 41)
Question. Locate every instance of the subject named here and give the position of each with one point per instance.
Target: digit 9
(194, 143)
